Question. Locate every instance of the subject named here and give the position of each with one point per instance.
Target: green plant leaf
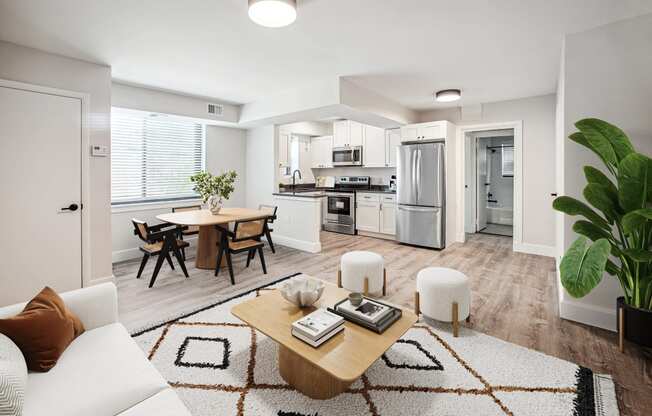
(572, 206)
(639, 255)
(615, 136)
(600, 197)
(599, 143)
(594, 175)
(583, 266)
(611, 268)
(634, 181)
(590, 230)
(635, 220)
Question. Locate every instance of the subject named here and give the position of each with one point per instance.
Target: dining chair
(159, 241)
(191, 229)
(245, 237)
(271, 211)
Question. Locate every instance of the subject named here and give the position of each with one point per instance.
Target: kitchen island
(299, 218)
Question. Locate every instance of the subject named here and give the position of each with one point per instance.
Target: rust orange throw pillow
(43, 330)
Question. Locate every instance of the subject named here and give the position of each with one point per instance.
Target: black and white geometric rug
(221, 366)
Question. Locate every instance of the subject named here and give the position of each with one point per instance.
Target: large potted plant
(214, 189)
(616, 234)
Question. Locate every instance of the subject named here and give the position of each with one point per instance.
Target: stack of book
(370, 313)
(318, 327)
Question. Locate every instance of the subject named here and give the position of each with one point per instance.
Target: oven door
(339, 209)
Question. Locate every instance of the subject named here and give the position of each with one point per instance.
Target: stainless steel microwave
(347, 156)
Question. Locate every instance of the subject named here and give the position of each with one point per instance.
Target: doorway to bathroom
(489, 182)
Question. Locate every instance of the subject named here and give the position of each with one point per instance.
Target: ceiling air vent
(215, 109)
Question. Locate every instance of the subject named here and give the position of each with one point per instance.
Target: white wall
(31, 66)
(260, 165)
(606, 75)
(308, 128)
(157, 101)
(538, 116)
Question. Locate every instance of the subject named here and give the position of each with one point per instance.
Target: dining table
(209, 235)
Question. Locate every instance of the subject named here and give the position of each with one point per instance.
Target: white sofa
(103, 371)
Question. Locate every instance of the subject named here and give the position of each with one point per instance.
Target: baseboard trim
(540, 250)
(391, 237)
(302, 245)
(100, 280)
(135, 253)
(588, 314)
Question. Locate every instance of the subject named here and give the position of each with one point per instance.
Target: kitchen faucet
(294, 180)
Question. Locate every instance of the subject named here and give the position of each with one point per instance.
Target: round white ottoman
(443, 294)
(362, 271)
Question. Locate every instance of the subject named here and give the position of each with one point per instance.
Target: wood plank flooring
(514, 298)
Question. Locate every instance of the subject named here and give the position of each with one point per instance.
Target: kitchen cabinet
(374, 148)
(392, 141)
(283, 149)
(367, 213)
(424, 131)
(347, 133)
(376, 213)
(388, 214)
(321, 149)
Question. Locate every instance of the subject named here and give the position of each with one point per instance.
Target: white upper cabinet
(357, 133)
(424, 131)
(374, 148)
(392, 141)
(347, 133)
(321, 149)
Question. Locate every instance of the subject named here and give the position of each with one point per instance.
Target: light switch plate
(99, 150)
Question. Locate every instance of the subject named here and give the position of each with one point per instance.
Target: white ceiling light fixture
(273, 13)
(446, 96)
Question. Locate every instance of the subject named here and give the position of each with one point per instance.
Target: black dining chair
(245, 237)
(271, 211)
(189, 230)
(159, 241)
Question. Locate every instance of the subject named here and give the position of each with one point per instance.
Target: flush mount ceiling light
(273, 13)
(446, 96)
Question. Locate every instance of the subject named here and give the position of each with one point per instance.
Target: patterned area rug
(221, 366)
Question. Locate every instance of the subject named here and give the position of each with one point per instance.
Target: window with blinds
(153, 156)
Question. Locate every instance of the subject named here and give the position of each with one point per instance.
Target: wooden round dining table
(209, 237)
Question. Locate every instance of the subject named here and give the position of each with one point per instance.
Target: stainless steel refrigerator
(421, 194)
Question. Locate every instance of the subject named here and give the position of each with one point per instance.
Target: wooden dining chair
(159, 241)
(191, 229)
(271, 211)
(245, 237)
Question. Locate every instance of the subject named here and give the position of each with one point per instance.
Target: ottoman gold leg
(456, 324)
(416, 303)
(384, 282)
(365, 288)
(339, 278)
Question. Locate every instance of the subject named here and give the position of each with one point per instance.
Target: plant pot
(637, 324)
(214, 204)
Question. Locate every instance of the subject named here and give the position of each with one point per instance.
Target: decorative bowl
(302, 290)
(355, 298)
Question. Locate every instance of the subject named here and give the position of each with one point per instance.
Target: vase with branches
(615, 233)
(214, 189)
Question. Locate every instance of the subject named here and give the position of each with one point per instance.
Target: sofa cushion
(165, 403)
(43, 330)
(13, 377)
(103, 372)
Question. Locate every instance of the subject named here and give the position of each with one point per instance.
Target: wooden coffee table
(326, 371)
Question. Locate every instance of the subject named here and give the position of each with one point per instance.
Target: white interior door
(482, 186)
(40, 167)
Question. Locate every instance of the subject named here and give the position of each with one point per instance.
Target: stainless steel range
(338, 213)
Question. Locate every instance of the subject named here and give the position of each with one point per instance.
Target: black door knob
(71, 207)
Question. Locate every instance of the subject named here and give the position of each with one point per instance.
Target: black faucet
(294, 186)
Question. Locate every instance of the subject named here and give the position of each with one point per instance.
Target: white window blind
(153, 156)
